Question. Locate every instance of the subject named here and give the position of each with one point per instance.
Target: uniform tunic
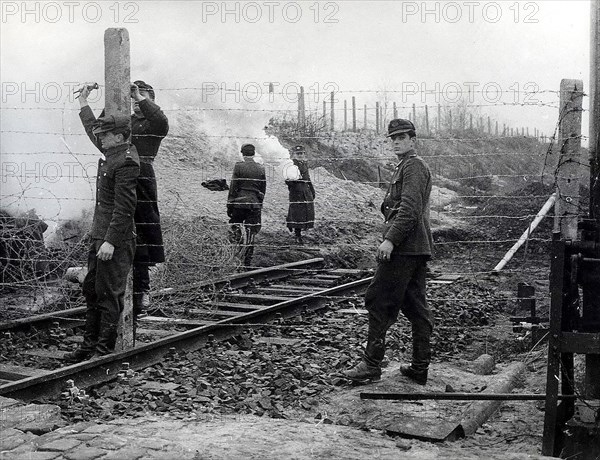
(104, 284)
(148, 131)
(301, 212)
(246, 194)
(399, 284)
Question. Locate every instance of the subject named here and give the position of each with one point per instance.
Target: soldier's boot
(418, 369)
(90, 338)
(369, 369)
(363, 372)
(107, 339)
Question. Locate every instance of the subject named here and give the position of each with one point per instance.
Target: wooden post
(353, 114)
(439, 118)
(377, 117)
(427, 120)
(568, 172)
(395, 111)
(591, 310)
(345, 115)
(301, 110)
(332, 112)
(528, 131)
(324, 114)
(489, 126)
(414, 114)
(450, 119)
(511, 132)
(118, 101)
(496, 128)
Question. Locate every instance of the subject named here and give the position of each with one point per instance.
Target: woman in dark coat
(301, 213)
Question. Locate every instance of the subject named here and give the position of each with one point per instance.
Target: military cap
(248, 150)
(143, 86)
(117, 123)
(399, 126)
(298, 149)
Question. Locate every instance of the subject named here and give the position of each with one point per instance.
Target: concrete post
(568, 172)
(118, 101)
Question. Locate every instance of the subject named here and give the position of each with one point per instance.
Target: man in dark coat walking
(149, 126)
(244, 203)
(113, 234)
(301, 213)
(399, 282)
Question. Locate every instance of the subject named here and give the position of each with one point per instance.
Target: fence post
(301, 110)
(427, 120)
(450, 119)
(377, 117)
(345, 115)
(353, 114)
(414, 113)
(568, 173)
(439, 118)
(324, 114)
(332, 110)
(395, 111)
(118, 101)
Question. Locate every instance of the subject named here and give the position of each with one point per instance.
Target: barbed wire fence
(471, 155)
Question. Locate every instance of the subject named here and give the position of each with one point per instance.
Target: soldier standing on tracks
(399, 282)
(245, 200)
(301, 212)
(113, 234)
(149, 126)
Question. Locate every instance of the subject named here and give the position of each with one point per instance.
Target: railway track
(184, 319)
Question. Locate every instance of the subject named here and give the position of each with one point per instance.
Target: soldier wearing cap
(149, 126)
(245, 200)
(399, 282)
(113, 235)
(301, 211)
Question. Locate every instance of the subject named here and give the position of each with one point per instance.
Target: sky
(203, 55)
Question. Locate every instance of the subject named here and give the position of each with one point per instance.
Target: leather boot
(90, 338)
(107, 339)
(363, 373)
(418, 369)
(369, 369)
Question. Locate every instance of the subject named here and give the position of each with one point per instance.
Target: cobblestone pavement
(36, 432)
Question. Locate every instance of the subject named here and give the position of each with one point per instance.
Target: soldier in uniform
(149, 127)
(301, 212)
(399, 282)
(113, 234)
(245, 200)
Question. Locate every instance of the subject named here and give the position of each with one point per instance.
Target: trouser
(104, 291)
(250, 219)
(141, 284)
(399, 285)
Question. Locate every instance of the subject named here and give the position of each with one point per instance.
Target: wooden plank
(309, 281)
(43, 353)
(10, 372)
(286, 292)
(258, 297)
(177, 321)
(292, 288)
(236, 306)
(211, 312)
(156, 332)
(580, 342)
